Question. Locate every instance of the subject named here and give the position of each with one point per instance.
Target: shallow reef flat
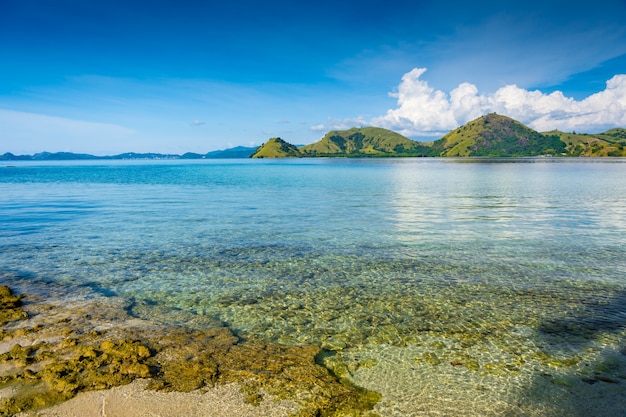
(473, 349)
(89, 355)
(51, 351)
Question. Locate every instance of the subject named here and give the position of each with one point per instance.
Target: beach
(276, 382)
(88, 357)
(134, 400)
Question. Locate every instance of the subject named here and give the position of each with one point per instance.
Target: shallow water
(452, 287)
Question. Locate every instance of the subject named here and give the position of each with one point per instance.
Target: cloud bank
(424, 111)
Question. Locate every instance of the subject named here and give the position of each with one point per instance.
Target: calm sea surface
(476, 285)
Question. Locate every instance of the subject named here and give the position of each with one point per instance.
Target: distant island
(236, 152)
(491, 135)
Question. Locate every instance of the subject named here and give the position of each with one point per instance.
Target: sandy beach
(84, 355)
(87, 357)
(135, 400)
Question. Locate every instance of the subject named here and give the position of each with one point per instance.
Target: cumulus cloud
(198, 123)
(317, 128)
(343, 124)
(424, 111)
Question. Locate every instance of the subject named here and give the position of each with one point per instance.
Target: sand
(134, 400)
(85, 356)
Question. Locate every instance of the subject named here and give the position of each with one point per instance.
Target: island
(492, 135)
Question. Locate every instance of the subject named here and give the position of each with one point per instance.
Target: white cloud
(198, 123)
(336, 124)
(340, 124)
(317, 128)
(420, 107)
(424, 111)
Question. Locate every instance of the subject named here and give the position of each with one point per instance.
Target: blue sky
(107, 77)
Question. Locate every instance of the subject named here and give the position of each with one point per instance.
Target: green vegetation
(493, 135)
(276, 148)
(367, 141)
(58, 358)
(610, 143)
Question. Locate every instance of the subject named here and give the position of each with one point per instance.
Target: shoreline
(136, 399)
(84, 354)
(72, 355)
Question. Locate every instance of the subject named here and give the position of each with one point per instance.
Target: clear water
(453, 287)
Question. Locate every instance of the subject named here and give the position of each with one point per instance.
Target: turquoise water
(481, 286)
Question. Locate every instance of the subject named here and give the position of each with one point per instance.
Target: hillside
(276, 148)
(494, 135)
(365, 141)
(610, 143)
(491, 135)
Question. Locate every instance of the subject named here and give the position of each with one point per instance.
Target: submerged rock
(77, 349)
(10, 306)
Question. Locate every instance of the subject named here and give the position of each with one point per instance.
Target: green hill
(276, 148)
(610, 143)
(493, 135)
(617, 133)
(365, 141)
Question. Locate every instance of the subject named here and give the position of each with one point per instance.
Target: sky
(175, 76)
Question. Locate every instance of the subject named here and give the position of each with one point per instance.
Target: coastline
(136, 399)
(88, 356)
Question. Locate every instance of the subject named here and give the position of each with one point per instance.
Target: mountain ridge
(236, 152)
(490, 135)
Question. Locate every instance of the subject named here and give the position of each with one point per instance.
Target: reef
(50, 353)
(10, 306)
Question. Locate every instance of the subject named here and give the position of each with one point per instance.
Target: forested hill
(494, 135)
(491, 135)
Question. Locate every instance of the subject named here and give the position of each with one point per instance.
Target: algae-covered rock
(285, 372)
(10, 306)
(64, 372)
(90, 368)
(79, 356)
(19, 355)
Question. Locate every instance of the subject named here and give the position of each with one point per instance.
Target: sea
(451, 286)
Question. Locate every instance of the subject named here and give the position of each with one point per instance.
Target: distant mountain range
(237, 152)
(491, 135)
